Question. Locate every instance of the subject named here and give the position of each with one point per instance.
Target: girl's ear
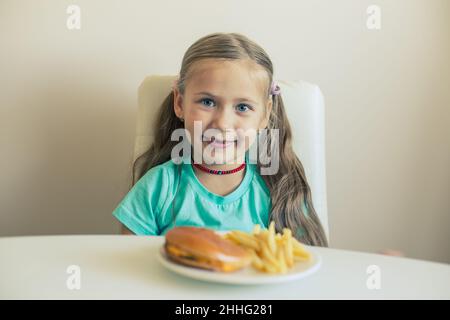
(177, 103)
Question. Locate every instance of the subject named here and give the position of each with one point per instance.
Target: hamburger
(203, 248)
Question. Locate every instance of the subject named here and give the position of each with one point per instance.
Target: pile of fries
(272, 252)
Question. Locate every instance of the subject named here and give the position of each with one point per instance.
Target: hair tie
(275, 89)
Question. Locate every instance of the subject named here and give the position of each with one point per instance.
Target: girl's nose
(223, 119)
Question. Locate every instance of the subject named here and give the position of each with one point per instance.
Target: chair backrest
(304, 106)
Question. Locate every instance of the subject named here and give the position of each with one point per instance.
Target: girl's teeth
(222, 144)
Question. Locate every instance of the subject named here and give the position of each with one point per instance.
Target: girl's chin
(220, 156)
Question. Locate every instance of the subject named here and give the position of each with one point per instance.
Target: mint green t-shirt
(171, 195)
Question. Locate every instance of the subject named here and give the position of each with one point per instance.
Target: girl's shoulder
(259, 180)
(162, 176)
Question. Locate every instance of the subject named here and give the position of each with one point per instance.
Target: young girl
(226, 86)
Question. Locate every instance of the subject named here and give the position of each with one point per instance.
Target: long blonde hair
(289, 190)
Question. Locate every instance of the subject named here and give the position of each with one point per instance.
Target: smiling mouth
(218, 143)
(214, 139)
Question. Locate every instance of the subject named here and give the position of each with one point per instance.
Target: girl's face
(224, 104)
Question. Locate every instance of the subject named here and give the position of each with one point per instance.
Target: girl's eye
(242, 108)
(206, 99)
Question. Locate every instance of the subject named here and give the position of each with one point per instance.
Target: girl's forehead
(237, 76)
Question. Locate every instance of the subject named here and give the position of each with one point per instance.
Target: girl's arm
(126, 231)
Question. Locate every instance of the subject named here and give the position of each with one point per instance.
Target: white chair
(304, 106)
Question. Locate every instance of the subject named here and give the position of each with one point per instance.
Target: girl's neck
(220, 184)
(223, 167)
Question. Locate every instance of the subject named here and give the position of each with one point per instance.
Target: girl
(224, 89)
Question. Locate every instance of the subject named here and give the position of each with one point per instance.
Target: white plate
(247, 275)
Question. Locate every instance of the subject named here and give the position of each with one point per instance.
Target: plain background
(68, 102)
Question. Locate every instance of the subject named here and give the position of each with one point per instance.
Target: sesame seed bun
(203, 248)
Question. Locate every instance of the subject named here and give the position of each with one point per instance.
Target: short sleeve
(140, 208)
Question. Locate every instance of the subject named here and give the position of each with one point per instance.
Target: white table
(125, 267)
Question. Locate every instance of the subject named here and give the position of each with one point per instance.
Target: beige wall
(68, 107)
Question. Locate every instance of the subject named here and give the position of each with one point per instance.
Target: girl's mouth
(221, 144)
(216, 143)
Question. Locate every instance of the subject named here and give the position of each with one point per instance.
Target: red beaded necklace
(220, 172)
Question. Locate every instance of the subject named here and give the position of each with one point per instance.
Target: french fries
(272, 252)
